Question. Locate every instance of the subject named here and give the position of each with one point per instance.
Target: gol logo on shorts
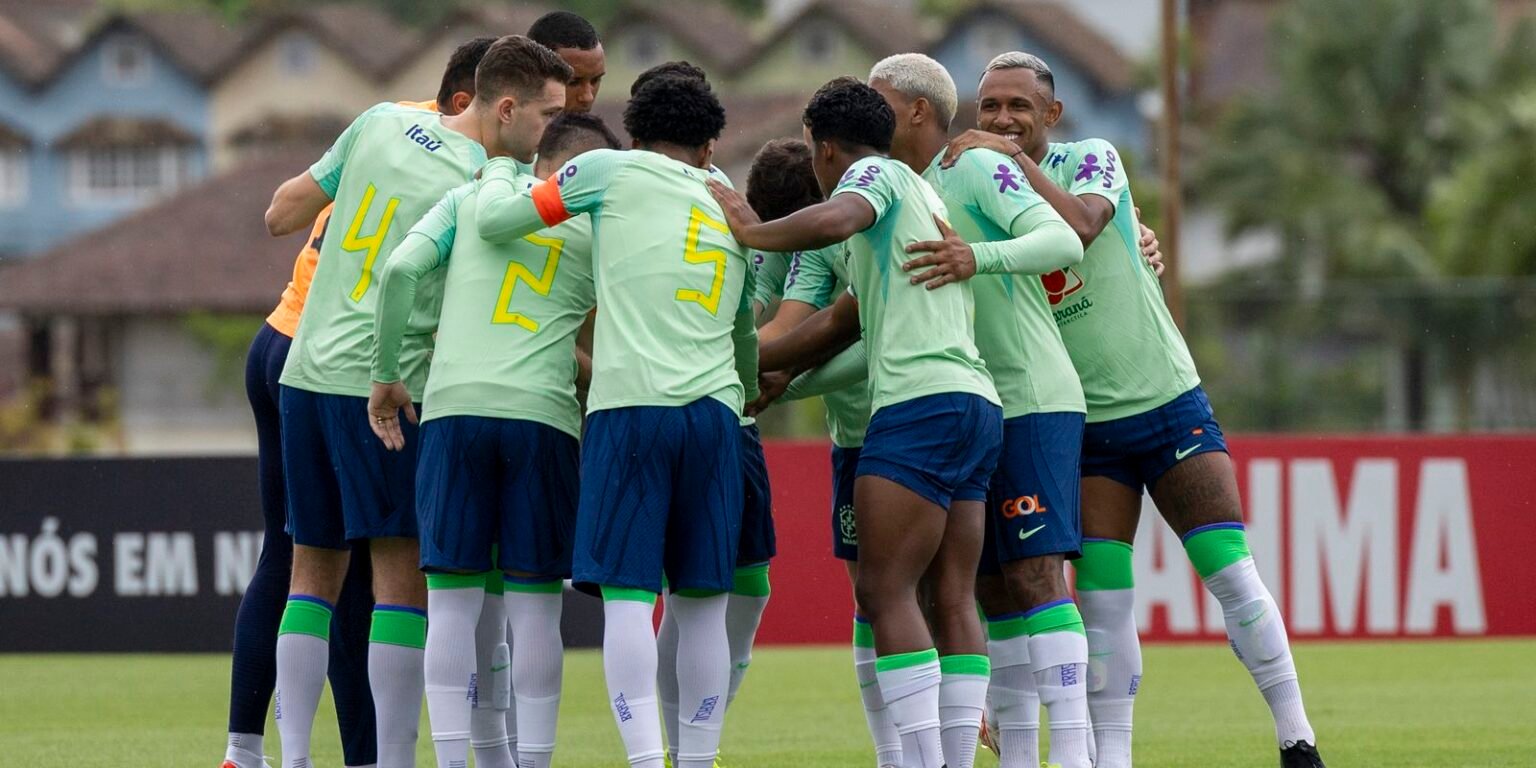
(1023, 505)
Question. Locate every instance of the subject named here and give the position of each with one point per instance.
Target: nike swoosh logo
(1026, 534)
(1179, 455)
(1252, 620)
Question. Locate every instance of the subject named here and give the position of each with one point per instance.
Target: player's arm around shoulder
(840, 217)
(299, 200)
(505, 212)
(1097, 181)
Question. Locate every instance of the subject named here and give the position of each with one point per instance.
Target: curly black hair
(460, 74)
(563, 29)
(567, 129)
(851, 113)
(668, 68)
(781, 180)
(674, 110)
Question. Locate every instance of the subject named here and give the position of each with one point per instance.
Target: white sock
(629, 665)
(882, 729)
(703, 682)
(1114, 670)
(537, 672)
(1015, 703)
(244, 750)
(1257, 635)
(962, 699)
(395, 673)
(301, 667)
(451, 676)
(487, 720)
(1060, 662)
(911, 694)
(666, 676)
(509, 717)
(743, 614)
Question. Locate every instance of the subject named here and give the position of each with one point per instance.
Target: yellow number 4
(541, 284)
(371, 244)
(691, 254)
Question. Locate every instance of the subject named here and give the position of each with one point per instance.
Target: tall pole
(1173, 202)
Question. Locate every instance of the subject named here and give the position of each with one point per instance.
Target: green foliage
(227, 338)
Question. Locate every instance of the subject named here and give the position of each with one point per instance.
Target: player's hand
(738, 214)
(771, 386)
(1151, 250)
(973, 139)
(384, 406)
(951, 258)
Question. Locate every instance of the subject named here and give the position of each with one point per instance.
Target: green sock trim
(494, 584)
(1007, 629)
(905, 660)
(1217, 548)
(457, 580)
(1059, 618)
(551, 587)
(1105, 564)
(698, 593)
(752, 581)
(633, 595)
(306, 617)
(863, 634)
(395, 627)
(965, 664)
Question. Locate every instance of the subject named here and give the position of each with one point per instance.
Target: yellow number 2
(691, 254)
(352, 242)
(541, 284)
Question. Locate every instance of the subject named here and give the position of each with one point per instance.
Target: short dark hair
(568, 128)
(460, 74)
(519, 66)
(563, 29)
(781, 180)
(851, 113)
(669, 68)
(674, 110)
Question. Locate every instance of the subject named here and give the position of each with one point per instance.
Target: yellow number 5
(541, 284)
(353, 243)
(691, 254)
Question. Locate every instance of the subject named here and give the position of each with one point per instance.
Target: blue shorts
(342, 483)
(758, 544)
(845, 530)
(660, 493)
(1034, 502)
(1137, 450)
(509, 482)
(941, 447)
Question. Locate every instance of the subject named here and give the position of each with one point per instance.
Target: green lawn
(1435, 703)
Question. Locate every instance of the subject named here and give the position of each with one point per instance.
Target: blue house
(93, 130)
(1094, 80)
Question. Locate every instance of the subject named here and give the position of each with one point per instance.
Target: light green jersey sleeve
(1098, 171)
(425, 248)
(991, 185)
(812, 279)
(327, 170)
(868, 178)
(848, 368)
(744, 339)
(770, 269)
(505, 212)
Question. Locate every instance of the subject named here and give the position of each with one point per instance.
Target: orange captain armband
(546, 200)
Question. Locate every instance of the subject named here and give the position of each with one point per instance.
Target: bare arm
(295, 205)
(816, 340)
(816, 226)
(1087, 215)
(790, 315)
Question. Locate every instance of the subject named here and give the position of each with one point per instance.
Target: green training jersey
(506, 340)
(388, 168)
(817, 278)
(920, 341)
(673, 286)
(1127, 351)
(987, 196)
(770, 269)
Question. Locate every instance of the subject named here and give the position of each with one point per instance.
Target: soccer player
(1034, 628)
(384, 172)
(253, 669)
(1149, 426)
(674, 341)
(573, 38)
(499, 455)
(936, 427)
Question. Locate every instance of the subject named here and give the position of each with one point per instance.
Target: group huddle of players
(587, 332)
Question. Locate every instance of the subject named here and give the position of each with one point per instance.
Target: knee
(1036, 581)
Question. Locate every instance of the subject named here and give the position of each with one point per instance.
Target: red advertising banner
(1357, 537)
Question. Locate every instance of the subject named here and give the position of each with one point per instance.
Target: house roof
(312, 131)
(205, 248)
(1232, 50)
(882, 28)
(1067, 34)
(469, 21)
(40, 44)
(361, 34)
(750, 121)
(35, 35)
(714, 32)
(122, 131)
(10, 138)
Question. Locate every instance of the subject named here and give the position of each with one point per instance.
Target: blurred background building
(1357, 249)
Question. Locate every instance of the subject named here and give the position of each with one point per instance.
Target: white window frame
(13, 176)
(114, 74)
(172, 166)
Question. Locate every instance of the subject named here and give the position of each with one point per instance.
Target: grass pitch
(1432, 703)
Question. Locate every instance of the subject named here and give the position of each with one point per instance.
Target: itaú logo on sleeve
(1023, 505)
